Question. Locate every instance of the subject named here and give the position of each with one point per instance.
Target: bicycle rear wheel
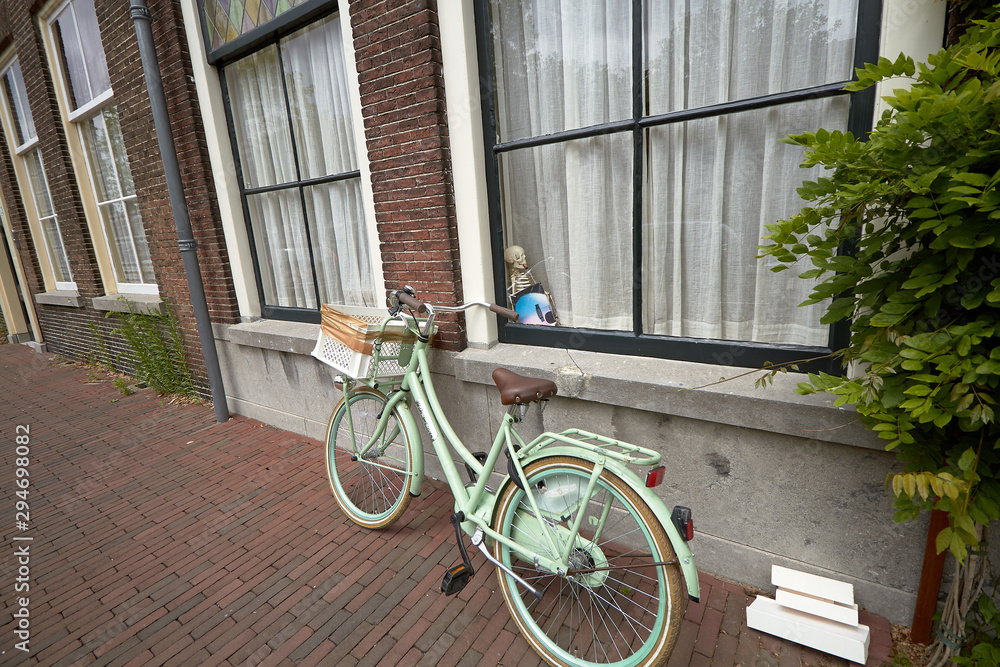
(618, 604)
(370, 486)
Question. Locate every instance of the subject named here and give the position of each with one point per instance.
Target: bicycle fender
(416, 447)
(684, 555)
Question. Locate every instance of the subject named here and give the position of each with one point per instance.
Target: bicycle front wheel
(617, 603)
(370, 483)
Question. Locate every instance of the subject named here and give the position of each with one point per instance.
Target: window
(298, 168)
(27, 149)
(636, 157)
(92, 110)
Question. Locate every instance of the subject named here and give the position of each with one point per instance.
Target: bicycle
(588, 559)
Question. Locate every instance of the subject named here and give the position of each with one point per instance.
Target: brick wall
(398, 50)
(132, 100)
(68, 330)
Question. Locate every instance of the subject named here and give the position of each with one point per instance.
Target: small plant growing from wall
(155, 347)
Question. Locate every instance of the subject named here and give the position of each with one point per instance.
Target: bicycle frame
(477, 503)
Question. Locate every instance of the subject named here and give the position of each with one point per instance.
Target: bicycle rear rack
(599, 444)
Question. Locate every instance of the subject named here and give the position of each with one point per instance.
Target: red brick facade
(398, 50)
(67, 330)
(398, 57)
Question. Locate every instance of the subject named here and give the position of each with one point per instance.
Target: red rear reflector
(655, 476)
(689, 530)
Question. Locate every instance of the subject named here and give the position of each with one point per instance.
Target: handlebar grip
(504, 312)
(411, 302)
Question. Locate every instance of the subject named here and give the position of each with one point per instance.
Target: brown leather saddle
(517, 389)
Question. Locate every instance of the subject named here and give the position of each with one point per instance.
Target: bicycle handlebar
(414, 304)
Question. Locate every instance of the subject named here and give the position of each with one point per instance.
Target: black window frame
(712, 351)
(267, 35)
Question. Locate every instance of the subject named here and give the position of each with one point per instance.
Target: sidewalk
(161, 537)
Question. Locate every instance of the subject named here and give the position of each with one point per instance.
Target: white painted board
(850, 643)
(811, 584)
(834, 611)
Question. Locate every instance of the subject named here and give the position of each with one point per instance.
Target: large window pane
(83, 52)
(24, 123)
(712, 184)
(310, 153)
(260, 119)
(39, 185)
(24, 128)
(319, 100)
(704, 53)
(560, 65)
(118, 229)
(46, 216)
(115, 193)
(139, 240)
(282, 249)
(706, 186)
(340, 245)
(98, 146)
(569, 206)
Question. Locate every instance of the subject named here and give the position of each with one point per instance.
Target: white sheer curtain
(709, 185)
(315, 78)
(324, 135)
(563, 65)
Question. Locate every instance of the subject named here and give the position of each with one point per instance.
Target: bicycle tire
(627, 614)
(373, 490)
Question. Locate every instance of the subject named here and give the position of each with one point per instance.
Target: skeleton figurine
(517, 266)
(521, 279)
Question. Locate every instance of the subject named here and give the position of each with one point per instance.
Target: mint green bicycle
(589, 560)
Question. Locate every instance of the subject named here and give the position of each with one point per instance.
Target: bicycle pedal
(456, 578)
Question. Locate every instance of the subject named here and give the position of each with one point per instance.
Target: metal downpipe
(185, 237)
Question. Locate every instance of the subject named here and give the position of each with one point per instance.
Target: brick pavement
(162, 538)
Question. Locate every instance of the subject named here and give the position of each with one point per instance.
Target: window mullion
(637, 164)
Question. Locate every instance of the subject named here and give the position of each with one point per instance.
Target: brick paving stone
(171, 539)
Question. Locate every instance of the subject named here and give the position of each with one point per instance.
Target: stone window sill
(149, 304)
(677, 388)
(294, 337)
(662, 386)
(69, 298)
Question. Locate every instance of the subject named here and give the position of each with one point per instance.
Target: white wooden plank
(811, 584)
(850, 643)
(818, 607)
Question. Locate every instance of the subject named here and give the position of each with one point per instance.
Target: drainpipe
(185, 238)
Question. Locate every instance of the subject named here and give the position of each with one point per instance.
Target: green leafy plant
(156, 349)
(919, 203)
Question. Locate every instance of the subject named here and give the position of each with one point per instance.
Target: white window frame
(36, 219)
(74, 121)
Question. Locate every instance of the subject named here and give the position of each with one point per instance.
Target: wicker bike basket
(351, 339)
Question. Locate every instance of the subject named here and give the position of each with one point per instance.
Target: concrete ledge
(294, 337)
(69, 298)
(149, 304)
(678, 388)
